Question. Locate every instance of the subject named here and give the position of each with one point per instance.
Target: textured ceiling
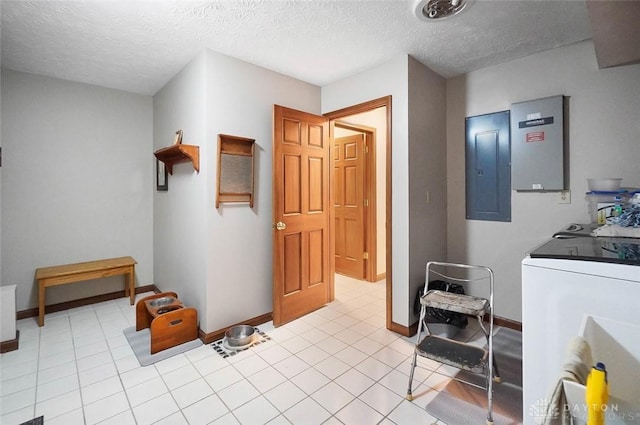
(138, 46)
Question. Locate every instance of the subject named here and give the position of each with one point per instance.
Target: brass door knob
(280, 226)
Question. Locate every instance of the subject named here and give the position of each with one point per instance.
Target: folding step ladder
(450, 352)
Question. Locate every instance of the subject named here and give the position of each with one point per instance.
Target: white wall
(240, 99)
(604, 134)
(77, 182)
(220, 260)
(78, 177)
(179, 214)
(387, 79)
(393, 78)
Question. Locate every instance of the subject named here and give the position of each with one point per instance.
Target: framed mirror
(235, 170)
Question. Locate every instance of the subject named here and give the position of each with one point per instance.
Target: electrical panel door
(488, 183)
(537, 144)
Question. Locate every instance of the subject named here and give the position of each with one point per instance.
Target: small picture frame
(178, 138)
(162, 176)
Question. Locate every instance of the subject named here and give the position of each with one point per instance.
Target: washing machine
(564, 279)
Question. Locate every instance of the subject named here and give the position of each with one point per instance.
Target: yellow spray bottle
(597, 395)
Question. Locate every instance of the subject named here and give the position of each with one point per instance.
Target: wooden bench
(71, 273)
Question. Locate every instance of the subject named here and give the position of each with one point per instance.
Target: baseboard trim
(507, 323)
(404, 330)
(210, 337)
(67, 305)
(381, 276)
(206, 338)
(10, 345)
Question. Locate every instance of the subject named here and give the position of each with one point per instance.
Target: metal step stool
(451, 352)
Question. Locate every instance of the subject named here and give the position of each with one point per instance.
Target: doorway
(371, 120)
(304, 237)
(355, 196)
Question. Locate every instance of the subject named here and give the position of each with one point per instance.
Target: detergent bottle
(597, 395)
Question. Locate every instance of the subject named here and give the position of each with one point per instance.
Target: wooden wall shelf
(179, 153)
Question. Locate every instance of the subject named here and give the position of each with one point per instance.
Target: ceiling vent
(437, 10)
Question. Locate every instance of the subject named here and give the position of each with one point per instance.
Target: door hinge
(366, 202)
(366, 149)
(365, 255)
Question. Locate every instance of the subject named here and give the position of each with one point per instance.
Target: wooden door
(349, 200)
(302, 278)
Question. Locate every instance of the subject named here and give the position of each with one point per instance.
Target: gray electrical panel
(488, 167)
(537, 144)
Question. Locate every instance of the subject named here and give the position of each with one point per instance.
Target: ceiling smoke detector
(437, 10)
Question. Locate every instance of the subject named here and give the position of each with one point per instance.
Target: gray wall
(427, 173)
(604, 134)
(0, 148)
(77, 182)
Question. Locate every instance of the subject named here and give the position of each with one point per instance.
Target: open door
(302, 278)
(349, 205)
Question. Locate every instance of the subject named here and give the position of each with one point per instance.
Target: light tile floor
(338, 365)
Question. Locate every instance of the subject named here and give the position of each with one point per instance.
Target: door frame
(353, 110)
(370, 214)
